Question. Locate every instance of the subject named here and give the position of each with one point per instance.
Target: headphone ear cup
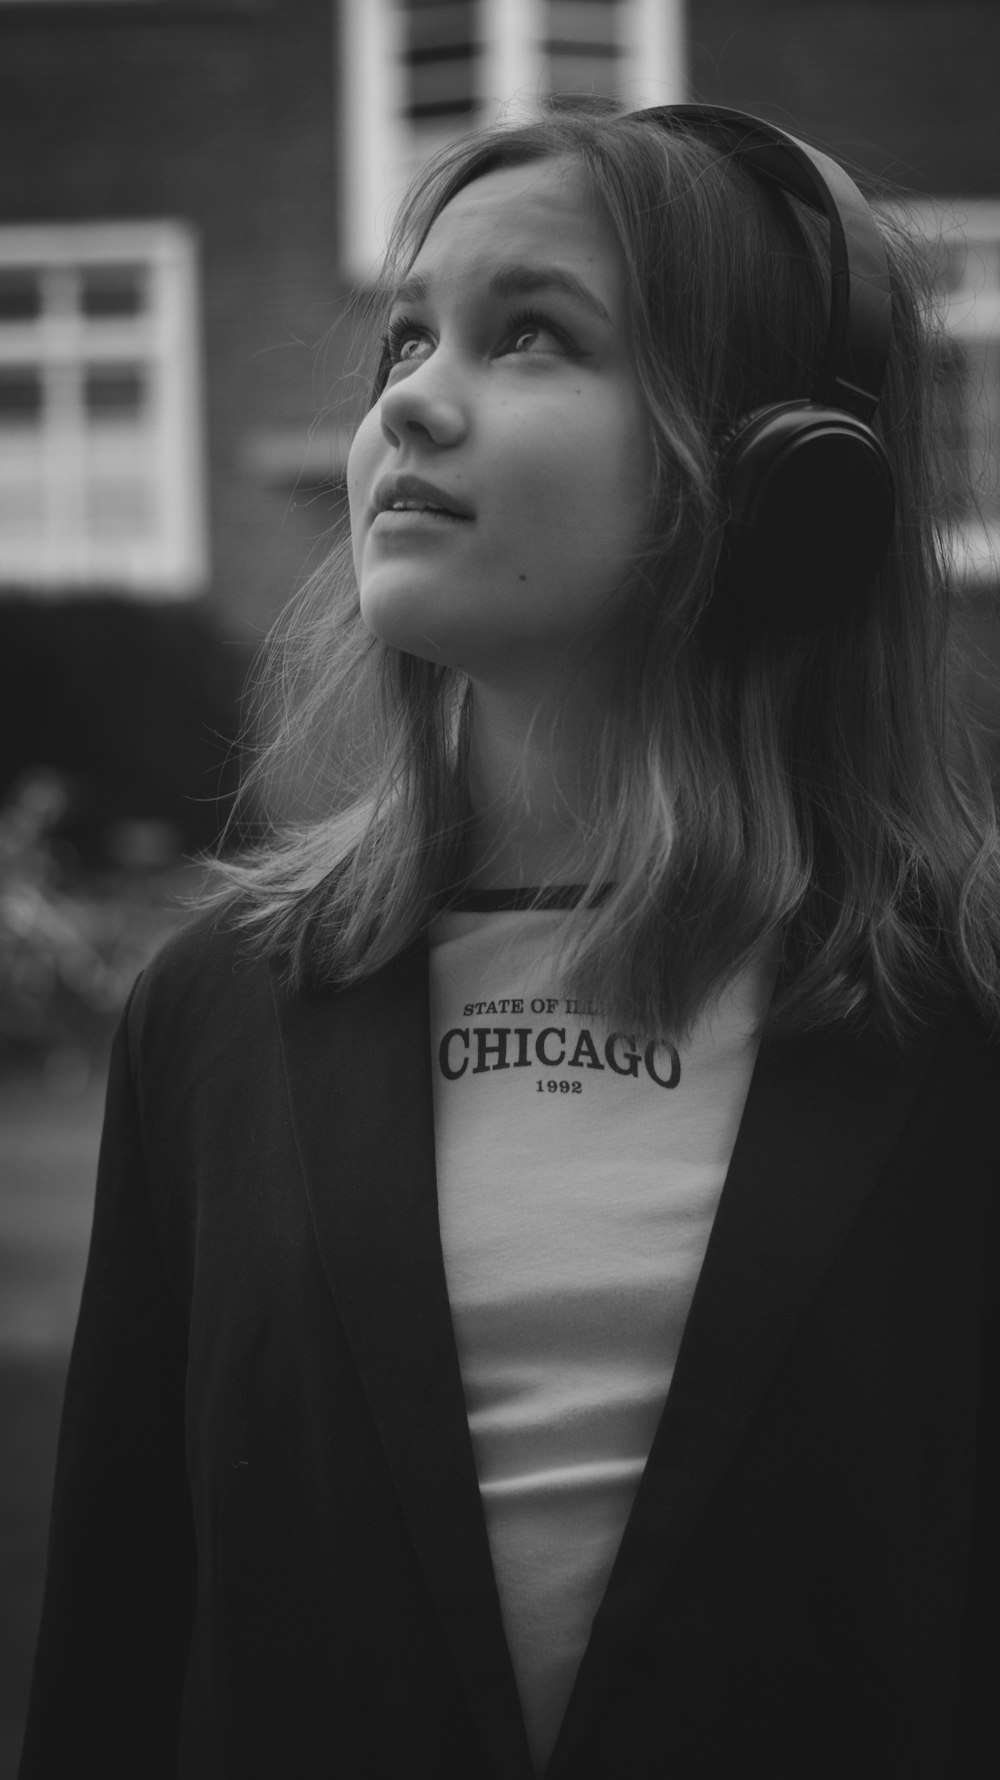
(811, 512)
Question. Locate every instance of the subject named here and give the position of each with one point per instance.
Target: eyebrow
(516, 281)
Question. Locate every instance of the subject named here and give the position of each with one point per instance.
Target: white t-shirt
(578, 1178)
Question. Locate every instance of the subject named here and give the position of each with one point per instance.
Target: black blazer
(268, 1556)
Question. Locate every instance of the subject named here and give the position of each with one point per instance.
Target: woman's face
(500, 486)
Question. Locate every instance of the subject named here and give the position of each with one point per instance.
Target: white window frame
(164, 338)
(378, 148)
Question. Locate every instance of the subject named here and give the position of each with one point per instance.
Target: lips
(413, 494)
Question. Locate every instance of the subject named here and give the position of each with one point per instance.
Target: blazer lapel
(821, 1117)
(366, 1146)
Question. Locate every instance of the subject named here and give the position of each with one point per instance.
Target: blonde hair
(817, 792)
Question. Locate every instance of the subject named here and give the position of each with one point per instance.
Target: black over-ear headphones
(810, 487)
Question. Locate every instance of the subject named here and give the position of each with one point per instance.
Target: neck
(528, 788)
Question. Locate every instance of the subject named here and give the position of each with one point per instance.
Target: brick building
(189, 196)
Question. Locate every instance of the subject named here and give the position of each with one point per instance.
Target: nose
(423, 407)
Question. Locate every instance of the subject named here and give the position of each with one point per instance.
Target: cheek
(619, 475)
(362, 462)
(584, 486)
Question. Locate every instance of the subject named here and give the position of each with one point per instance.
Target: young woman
(542, 1312)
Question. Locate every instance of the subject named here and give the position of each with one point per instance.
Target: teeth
(416, 507)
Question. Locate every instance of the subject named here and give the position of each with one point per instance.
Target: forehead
(543, 212)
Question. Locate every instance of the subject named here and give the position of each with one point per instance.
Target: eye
(531, 332)
(404, 341)
(526, 334)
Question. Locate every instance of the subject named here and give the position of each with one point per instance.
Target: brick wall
(905, 89)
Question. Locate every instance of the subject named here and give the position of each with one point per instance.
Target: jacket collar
(821, 1116)
(367, 1155)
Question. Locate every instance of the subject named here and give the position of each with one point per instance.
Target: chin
(395, 633)
(403, 621)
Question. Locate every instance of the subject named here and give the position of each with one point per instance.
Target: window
(100, 448)
(584, 47)
(964, 244)
(440, 55)
(417, 73)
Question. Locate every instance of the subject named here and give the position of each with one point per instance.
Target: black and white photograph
(499, 889)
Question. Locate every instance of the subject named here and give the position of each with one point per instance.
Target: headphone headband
(860, 293)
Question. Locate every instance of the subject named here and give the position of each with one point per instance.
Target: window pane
(438, 24)
(22, 511)
(950, 264)
(968, 421)
(114, 394)
(120, 508)
(582, 24)
(108, 292)
(982, 360)
(583, 50)
(21, 396)
(20, 295)
(442, 88)
(581, 76)
(439, 56)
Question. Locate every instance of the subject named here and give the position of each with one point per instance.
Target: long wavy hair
(815, 793)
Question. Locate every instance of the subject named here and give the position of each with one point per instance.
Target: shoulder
(961, 1045)
(953, 1065)
(210, 983)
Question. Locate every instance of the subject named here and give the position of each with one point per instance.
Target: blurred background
(192, 195)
